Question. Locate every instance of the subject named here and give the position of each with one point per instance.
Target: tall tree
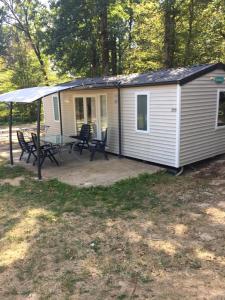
(72, 37)
(170, 12)
(189, 39)
(198, 34)
(28, 17)
(103, 16)
(20, 69)
(89, 37)
(146, 49)
(120, 33)
(2, 35)
(104, 37)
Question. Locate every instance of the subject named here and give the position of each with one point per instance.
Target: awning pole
(10, 133)
(60, 113)
(38, 137)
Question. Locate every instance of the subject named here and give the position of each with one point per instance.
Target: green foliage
(5, 77)
(196, 45)
(24, 64)
(192, 44)
(40, 44)
(5, 86)
(75, 38)
(146, 50)
(142, 35)
(118, 199)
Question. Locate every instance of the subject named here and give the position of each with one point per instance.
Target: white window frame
(148, 111)
(217, 109)
(53, 107)
(97, 99)
(99, 113)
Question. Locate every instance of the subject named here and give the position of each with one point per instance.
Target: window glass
(91, 115)
(79, 108)
(221, 109)
(142, 113)
(56, 107)
(103, 111)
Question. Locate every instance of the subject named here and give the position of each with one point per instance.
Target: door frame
(98, 111)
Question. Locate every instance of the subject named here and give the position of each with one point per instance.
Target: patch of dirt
(12, 181)
(217, 182)
(206, 237)
(212, 169)
(173, 251)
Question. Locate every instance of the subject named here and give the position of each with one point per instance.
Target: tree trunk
(23, 24)
(38, 55)
(187, 53)
(94, 59)
(169, 32)
(104, 38)
(130, 22)
(130, 25)
(42, 64)
(120, 64)
(114, 56)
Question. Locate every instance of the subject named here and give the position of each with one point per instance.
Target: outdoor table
(43, 129)
(58, 140)
(28, 130)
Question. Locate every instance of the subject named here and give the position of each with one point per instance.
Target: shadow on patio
(76, 169)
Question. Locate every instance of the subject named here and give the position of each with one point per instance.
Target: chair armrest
(96, 140)
(52, 149)
(75, 137)
(46, 147)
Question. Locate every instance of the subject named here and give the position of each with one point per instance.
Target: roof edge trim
(149, 84)
(202, 72)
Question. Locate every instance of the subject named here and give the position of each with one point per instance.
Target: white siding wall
(198, 137)
(159, 145)
(49, 115)
(68, 114)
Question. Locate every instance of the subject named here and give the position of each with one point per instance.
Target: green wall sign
(219, 79)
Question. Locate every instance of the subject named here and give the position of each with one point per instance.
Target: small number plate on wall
(219, 79)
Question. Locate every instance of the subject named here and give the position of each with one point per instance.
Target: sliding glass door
(92, 116)
(79, 111)
(103, 115)
(93, 111)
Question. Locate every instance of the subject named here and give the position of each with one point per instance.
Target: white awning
(30, 95)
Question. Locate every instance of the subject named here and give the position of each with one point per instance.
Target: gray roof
(167, 76)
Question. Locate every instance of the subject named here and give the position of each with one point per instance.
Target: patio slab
(77, 170)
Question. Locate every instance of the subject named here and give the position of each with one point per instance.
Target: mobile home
(172, 117)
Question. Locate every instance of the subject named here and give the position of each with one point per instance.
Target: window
(103, 114)
(221, 109)
(79, 106)
(142, 112)
(92, 115)
(56, 107)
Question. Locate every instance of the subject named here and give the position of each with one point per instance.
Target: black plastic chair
(26, 147)
(98, 146)
(83, 138)
(46, 151)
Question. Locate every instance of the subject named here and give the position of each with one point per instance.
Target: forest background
(46, 42)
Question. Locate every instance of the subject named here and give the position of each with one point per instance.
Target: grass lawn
(153, 237)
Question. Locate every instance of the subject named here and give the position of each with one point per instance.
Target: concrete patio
(76, 169)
